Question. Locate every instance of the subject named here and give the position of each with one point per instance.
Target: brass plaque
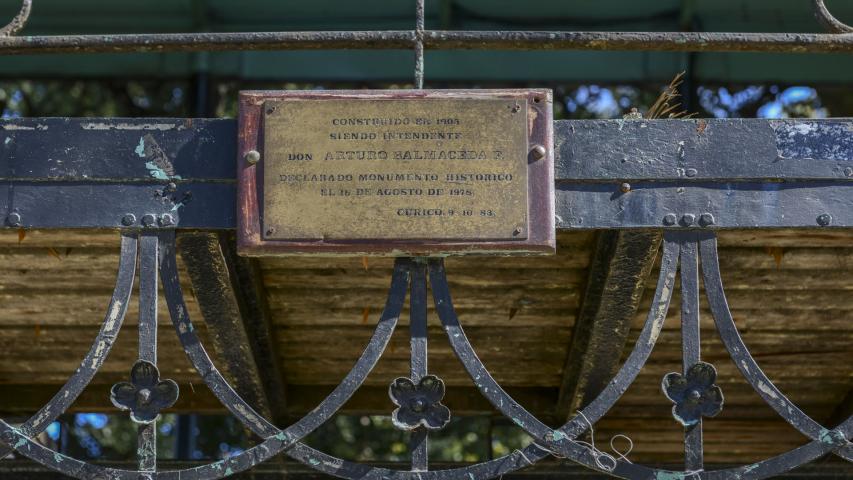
(381, 168)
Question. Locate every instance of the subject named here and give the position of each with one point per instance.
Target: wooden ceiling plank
(620, 265)
(228, 290)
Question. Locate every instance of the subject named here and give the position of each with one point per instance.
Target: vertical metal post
(148, 266)
(690, 345)
(419, 44)
(418, 329)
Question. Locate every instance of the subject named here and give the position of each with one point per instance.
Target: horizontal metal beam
(704, 149)
(705, 205)
(433, 39)
(118, 173)
(150, 150)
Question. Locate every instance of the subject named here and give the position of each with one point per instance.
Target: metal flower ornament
(419, 405)
(146, 395)
(695, 395)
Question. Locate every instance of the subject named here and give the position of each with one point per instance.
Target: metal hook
(829, 22)
(19, 21)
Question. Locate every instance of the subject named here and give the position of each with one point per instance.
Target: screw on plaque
(824, 219)
(669, 219)
(706, 219)
(253, 157)
(538, 152)
(14, 219)
(517, 231)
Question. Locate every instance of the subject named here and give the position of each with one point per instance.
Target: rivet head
(824, 219)
(625, 187)
(538, 152)
(848, 171)
(167, 220)
(14, 219)
(128, 220)
(691, 172)
(669, 219)
(706, 219)
(149, 219)
(253, 157)
(687, 219)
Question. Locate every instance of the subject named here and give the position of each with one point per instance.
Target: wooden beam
(842, 412)
(230, 295)
(620, 266)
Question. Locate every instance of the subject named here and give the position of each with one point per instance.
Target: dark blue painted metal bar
(110, 173)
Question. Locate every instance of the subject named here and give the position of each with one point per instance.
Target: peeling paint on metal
(113, 317)
(660, 314)
(140, 149)
(249, 415)
(12, 126)
(163, 127)
(666, 475)
(803, 140)
(98, 352)
(767, 389)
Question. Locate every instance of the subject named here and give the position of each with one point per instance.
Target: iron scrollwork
(419, 396)
(828, 20)
(19, 21)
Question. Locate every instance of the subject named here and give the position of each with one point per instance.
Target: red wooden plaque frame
(540, 177)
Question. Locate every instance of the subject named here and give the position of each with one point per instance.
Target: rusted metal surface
(433, 40)
(207, 42)
(640, 41)
(511, 215)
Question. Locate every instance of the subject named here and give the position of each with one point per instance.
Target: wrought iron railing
(589, 195)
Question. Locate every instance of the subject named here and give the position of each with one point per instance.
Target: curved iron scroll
(17, 23)
(419, 397)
